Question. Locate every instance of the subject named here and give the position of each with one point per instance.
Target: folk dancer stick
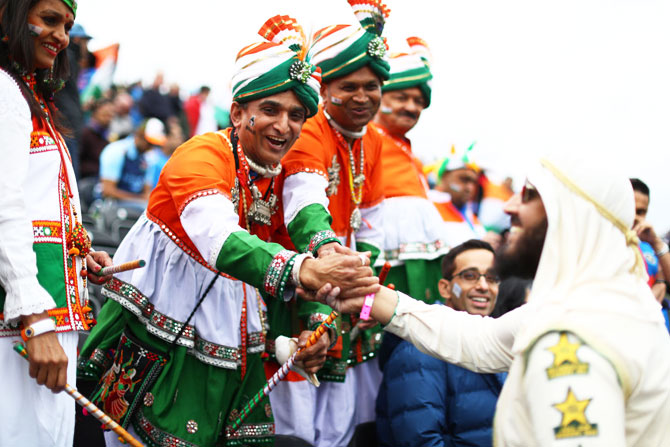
(281, 373)
(124, 436)
(356, 330)
(113, 269)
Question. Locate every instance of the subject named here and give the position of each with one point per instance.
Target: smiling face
(464, 292)
(400, 110)
(268, 127)
(353, 100)
(461, 184)
(51, 20)
(521, 252)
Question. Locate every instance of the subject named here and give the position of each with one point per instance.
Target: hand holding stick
(113, 269)
(280, 374)
(124, 436)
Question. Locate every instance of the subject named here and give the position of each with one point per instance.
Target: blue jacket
(424, 401)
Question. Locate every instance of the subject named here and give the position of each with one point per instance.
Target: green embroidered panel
(50, 272)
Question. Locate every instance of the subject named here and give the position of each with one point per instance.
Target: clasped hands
(339, 277)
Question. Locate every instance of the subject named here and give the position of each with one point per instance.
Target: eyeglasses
(528, 192)
(473, 276)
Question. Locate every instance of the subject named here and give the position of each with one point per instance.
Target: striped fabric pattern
(279, 64)
(342, 49)
(411, 69)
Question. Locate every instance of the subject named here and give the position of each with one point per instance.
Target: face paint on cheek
(457, 291)
(336, 101)
(251, 124)
(35, 30)
(455, 187)
(386, 110)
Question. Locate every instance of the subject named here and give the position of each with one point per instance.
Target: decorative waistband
(167, 328)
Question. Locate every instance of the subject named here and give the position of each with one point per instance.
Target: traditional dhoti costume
(333, 192)
(205, 232)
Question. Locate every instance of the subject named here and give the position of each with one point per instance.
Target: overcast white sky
(520, 77)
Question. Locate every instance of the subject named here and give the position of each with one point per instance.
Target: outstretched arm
(477, 343)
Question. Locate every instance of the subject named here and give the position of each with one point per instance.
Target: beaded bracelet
(277, 273)
(321, 238)
(285, 277)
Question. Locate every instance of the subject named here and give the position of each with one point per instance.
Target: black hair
(640, 186)
(449, 260)
(99, 103)
(205, 89)
(17, 48)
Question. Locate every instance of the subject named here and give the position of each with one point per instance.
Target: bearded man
(579, 353)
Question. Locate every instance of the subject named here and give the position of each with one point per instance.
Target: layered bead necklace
(356, 178)
(261, 212)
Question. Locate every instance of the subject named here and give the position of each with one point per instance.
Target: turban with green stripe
(342, 49)
(267, 68)
(407, 71)
(411, 69)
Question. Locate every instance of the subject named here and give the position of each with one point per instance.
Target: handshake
(339, 277)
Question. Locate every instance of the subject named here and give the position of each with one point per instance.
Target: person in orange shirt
(332, 196)
(455, 189)
(207, 237)
(413, 239)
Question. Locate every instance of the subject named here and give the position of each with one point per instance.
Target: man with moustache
(207, 238)
(425, 401)
(332, 195)
(589, 355)
(413, 229)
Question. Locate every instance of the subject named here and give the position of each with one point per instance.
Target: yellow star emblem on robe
(566, 361)
(573, 421)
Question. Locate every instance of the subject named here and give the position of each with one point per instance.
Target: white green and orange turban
(411, 69)
(279, 64)
(453, 161)
(342, 49)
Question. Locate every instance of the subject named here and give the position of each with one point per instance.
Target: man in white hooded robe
(588, 356)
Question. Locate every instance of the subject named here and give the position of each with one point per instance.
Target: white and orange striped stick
(124, 436)
(113, 269)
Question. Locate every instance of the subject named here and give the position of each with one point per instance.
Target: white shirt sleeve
(208, 221)
(480, 344)
(18, 264)
(573, 394)
(301, 190)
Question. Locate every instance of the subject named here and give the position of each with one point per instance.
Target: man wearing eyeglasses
(426, 401)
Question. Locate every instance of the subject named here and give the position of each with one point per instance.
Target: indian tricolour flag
(101, 79)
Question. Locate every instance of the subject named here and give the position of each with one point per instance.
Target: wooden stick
(113, 269)
(124, 436)
(280, 374)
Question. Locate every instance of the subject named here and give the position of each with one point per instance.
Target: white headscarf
(590, 265)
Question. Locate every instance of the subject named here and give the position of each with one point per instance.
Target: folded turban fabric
(342, 49)
(279, 64)
(411, 69)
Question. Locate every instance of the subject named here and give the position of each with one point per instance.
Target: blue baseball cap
(78, 31)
